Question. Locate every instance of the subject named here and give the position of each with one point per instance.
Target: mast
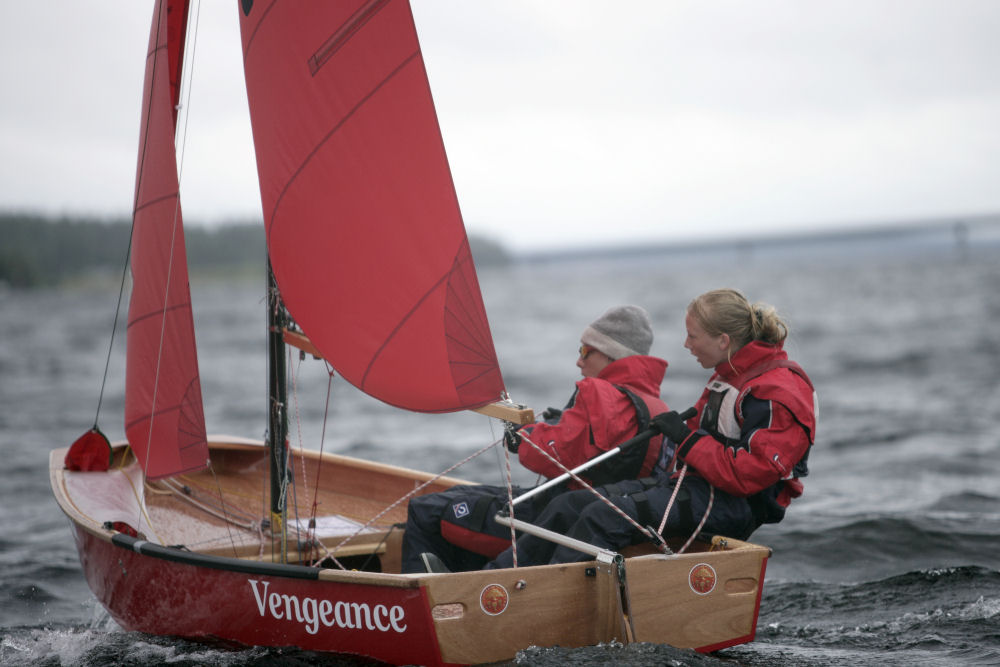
(277, 417)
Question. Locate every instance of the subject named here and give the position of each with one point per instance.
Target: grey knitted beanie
(620, 332)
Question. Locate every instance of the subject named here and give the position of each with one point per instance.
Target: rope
(222, 504)
(218, 512)
(587, 486)
(673, 497)
(510, 504)
(140, 500)
(659, 542)
(406, 497)
(310, 540)
(704, 518)
(322, 441)
(310, 535)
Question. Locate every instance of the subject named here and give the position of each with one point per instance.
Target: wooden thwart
(301, 341)
(509, 412)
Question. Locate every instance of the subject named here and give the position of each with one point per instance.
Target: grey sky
(566, 122)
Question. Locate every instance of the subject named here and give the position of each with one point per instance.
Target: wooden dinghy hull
(705, 600)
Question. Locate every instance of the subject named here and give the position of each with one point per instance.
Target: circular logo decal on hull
(493, 600)
(702, 578)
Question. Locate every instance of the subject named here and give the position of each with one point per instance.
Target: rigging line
(322, 437)
(131, 233)
(508, 477)
(189, 486)
(225, 513)
(310, 526)
(173, 230)
(510, 504)
(590, 488)
(704, 518)
(114, 324)
(189, 63)
(311, 538)
(415, 491)
(219, 511)
(673, 497)
(140, 499)
(310, 530)
(670, 503)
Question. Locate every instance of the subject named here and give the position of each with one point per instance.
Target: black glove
(551, 415)
(671, 425)
(511, 439)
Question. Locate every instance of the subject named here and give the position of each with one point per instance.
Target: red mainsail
(164, 417)
(363, 225)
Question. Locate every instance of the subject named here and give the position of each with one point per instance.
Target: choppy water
(891, 557)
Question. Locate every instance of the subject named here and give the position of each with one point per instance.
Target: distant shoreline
(41, 251)
(953, 231)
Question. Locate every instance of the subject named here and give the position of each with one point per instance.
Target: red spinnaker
(363, 225)
(164, 417)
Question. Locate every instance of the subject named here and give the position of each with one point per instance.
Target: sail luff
(164, 415)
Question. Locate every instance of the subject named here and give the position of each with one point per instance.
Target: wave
(877, 546)
(968, 502)
(103, 643)
(948, 613)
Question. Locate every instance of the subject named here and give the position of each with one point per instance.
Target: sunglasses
(585, 351)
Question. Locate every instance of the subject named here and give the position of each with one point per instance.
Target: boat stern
(705, 600)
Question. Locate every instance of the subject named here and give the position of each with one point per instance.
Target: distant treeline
(37, 251)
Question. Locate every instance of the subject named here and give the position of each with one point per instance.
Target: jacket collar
(637, 371)
(751, 354)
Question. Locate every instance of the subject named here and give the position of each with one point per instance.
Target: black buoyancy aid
(630, 462)
(764, 504)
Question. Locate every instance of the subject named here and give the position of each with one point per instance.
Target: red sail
(363, 224)
(164, 417)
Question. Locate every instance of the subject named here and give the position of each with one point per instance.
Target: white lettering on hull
(313, 613)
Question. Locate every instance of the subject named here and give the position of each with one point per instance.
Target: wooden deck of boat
(223, 509)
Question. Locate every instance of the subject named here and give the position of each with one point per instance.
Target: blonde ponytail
(727, 311)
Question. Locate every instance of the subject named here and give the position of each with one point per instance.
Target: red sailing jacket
(601, 417)
(754, 430)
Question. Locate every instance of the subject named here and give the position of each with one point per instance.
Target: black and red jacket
(755, 424)
(601, 416)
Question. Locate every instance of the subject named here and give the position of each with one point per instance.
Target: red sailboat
(368, 261)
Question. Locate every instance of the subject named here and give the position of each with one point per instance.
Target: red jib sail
(164, 417)
(363, 225)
